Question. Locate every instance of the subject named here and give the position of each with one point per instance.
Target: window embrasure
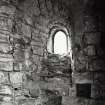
(59, 41)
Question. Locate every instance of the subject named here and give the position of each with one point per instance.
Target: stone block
(49, 5)
(26, 29)
(35, 32)
(20, 100)
(19, 55)
(72, 91)
(44, 9)
(28, 53)
(21, 95)
(98, 92)
(49, 97)
(28, 19)
(83, 78)
(29, 65)
(6, 103)
(80, 62)
(63, 91)
(19, 66)
(7, 9)
(35, 48)
(5, 90)
(6, 57)
(36, 43)
(36, 11)
(96, 65)
(38, 51)
(36, 40)
(4, 77)
(21, 92)
(34, 93)
(6, 23)
(3, 24)
(92, 38)
(27, 102)
(6, 66)
(5, 47)
(16, 79)
(79, 26)
(41, 27)
(99, 79)
(89, 24)
(19, 45)
(59, 85)
(5, 98)
(90, 50)
(35, 58)
(10, 24)
(4, 38)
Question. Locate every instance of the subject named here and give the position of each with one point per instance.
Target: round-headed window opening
(60, 45)
(59, 41)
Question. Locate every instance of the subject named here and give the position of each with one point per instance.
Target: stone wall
(24, 32)
(24, 29)
(88, 54)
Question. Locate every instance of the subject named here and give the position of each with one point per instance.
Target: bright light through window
(60, 43)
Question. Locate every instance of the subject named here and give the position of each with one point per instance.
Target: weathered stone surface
(7, 9)
(37, 51)
(6, 65)
(21, 92)
(19, 66)
(3, 24)
(36, 11)
(6, 98)
(5, 90)
(6, 57)
(19, 55)
(4, 47)
(33, 19)
(92, 38)
(35, 58)
(43, 8)
(26, 30)
(89, 24)
(83, 78)
(10, 24)
(96, 65)
(27, 102)
(28, 19)
(79, 26)
(21, 95)
(98, 91)
(49, 5)
(90, 50)
(6, 103)
(80, 62)
(34, 93)
(36, 42)
(16, 78)
(4, 38)
(4, 77)
(40, 52)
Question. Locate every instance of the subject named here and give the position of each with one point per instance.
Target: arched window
(60, 43)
